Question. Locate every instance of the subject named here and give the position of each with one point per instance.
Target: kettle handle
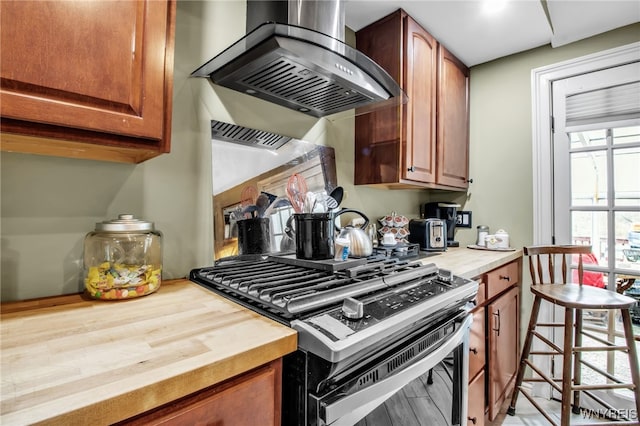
(288, 230)
(362, 215)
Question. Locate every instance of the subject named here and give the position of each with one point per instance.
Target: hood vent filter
(245, 136)
(310, 91)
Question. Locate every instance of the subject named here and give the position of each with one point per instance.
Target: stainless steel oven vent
(245, 136)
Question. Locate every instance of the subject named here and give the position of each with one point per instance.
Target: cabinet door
(504, 337)
(85, 69)
(453, 121)
(378, 134)
(421, 77)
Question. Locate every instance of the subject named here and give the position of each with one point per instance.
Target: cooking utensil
(262, 203)
(297, 192)
(330, 202)
(310, 202)
(337, 194)
(278, 202)
(249, 195)
(248, 198)
(327, 202)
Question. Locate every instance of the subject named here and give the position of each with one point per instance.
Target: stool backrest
(544, 259)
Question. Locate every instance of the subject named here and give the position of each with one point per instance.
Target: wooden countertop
(66, 360)
(470, 263)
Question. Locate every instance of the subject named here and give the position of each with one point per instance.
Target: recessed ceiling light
(491, 7)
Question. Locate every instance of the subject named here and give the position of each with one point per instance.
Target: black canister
(314, 235)
(254, 236)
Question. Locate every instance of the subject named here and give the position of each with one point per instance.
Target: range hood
(302, 64)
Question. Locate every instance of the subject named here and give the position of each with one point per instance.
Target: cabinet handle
(472, 420)
(505, 277)
(469, 181)
(497, 315)
(474, 350)
(411, 169)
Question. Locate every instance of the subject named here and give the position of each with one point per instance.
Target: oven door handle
(352, 408)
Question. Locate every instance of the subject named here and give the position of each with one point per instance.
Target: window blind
(620, 103)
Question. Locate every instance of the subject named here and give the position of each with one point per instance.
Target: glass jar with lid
(122, 259)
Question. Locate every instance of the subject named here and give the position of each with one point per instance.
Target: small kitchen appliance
(431, 234)
(448, 212)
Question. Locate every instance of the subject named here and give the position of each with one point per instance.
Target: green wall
(48, 204)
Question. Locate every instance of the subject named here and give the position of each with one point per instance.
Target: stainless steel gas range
(376, 337)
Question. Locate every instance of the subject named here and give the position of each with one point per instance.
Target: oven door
(432, 390)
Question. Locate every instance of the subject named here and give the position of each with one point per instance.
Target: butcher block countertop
(67, 360)
(471, 263)
(70, 360)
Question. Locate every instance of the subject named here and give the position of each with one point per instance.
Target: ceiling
(476, 33)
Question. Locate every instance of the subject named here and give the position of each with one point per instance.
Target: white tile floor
(528, 415)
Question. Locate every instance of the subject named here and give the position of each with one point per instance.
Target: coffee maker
(447, 212)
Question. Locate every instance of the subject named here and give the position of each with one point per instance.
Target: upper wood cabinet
(453, 121)
(424, 142)
(87, 79)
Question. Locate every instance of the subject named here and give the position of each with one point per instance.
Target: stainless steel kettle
(360, 242)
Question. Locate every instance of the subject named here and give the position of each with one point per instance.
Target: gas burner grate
(296, 290)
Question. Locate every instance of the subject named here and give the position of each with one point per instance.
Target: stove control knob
(352, 308)
(444, 275)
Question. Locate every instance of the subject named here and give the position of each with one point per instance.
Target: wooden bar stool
(574, 298)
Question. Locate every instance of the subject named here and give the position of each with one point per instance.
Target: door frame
(542, 155)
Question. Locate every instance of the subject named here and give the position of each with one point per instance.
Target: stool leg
(526, 348)
(567, 352)
(633, 356)
(577, 366)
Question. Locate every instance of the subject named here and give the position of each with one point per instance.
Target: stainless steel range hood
(302, 64)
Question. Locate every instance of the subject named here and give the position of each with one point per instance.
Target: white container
(389, 239)
(342, 248)
(503, 238)
(483, 231)
(491, 242)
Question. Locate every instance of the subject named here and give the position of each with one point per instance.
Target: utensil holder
(314, 235)
(254, 236)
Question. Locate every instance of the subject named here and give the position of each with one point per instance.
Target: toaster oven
(431, 234)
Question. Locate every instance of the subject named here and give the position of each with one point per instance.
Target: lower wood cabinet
(494, 342)
(504, 348)
(251, 398)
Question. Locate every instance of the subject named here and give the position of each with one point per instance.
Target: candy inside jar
(122, 259)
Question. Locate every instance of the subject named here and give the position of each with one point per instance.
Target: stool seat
(582, 296)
